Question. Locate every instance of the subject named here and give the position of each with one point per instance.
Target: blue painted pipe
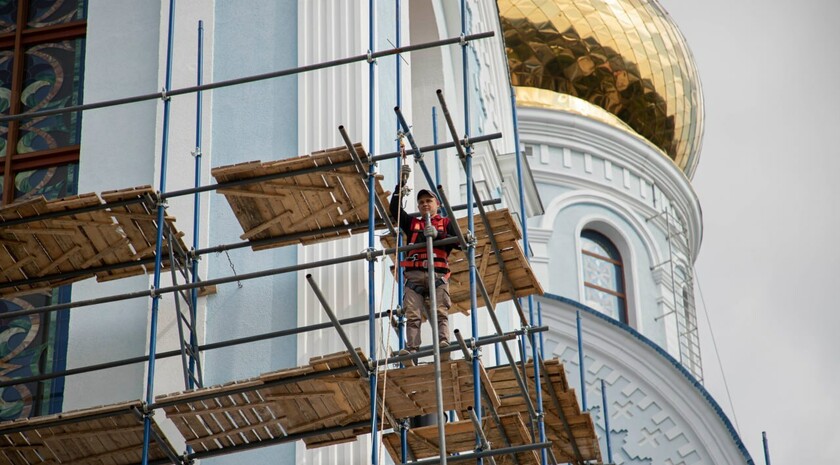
(400, 271)
(766, 448)
(536, 348)
(371, 228)
(196, 198)
(150, 378)
(606, 420)
(580, 364)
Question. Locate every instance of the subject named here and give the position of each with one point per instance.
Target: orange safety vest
(418, 258)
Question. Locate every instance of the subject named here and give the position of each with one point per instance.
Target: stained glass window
(603, 275)
(42, 46)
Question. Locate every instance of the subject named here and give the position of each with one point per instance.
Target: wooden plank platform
(507, 233)
(109, 435)
(79, 241)
(254, 410)
(460, 438)
(581, 424)
(303, 203)
(411, 391)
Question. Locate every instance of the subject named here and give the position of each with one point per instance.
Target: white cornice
(620, 348)
(577, 132)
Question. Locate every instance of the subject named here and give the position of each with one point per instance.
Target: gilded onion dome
(624, 56)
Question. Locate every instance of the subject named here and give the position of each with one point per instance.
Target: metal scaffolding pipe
(371, 236)
(463, 345)
(150, 375)
(518, 156)
(383, 212)
(316, 169)
(479, 282)
(766, 448)
(478, 456)
(466, 162)
(197, 204)
(200, 348)
(363, 371)
(606, 420)
(479, 431)
(433, 318)
(229, 279)
(247, 79)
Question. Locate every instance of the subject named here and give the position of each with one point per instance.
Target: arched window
(603, 275)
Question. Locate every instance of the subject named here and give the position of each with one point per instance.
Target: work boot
(409, 362)
(444, 356)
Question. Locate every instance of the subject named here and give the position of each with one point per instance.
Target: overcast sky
(769, 266)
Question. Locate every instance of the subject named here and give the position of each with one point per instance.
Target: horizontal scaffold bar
(201, 348)
(165, 94)
(242, 182)
(372, 255)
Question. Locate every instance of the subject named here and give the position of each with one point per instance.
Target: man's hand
(405, 172)
(430, 231)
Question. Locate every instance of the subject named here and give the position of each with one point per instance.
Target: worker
(415, 267)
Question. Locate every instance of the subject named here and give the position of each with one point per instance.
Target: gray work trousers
(414, 304)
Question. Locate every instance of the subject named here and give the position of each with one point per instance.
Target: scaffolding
(503, 414)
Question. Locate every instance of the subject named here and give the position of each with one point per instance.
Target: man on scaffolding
(415, 266)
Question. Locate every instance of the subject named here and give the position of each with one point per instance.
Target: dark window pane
(6, 61)
(49, 12)
(25, 350)
(53, 183)
(52, 80)
(8, 15)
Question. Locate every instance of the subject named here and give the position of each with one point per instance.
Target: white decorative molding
(569, 132)
(658, 414)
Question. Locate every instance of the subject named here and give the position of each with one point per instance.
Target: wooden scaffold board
(579, 422)
(76, 242)
(506, 232)
(460, 438)
(109, 435)
(410, 391)
(303, 203)
(266, 407)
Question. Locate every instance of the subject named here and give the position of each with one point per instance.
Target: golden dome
(625, 56)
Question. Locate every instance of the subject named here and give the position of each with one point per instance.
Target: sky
(769, 265)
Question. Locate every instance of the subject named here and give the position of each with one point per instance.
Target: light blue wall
(255, 121)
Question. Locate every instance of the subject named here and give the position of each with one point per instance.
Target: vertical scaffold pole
(535, 348)
(435, 141)
(470, 225)
(150, 378)
(766, 448)
(606, 420)
(197, 198)
(539, 322)
(371, 226)
(433, 318)
(581, 365)
(400, 283)
(400, 271)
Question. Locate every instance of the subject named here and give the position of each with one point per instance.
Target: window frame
(18, 40)
(623, 312)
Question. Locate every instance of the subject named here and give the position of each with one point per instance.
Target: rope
(384, 347)
(717, 352)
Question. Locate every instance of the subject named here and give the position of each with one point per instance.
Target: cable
(717, 352)
(385, 345)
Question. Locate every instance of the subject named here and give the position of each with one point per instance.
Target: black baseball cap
(427, 193)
